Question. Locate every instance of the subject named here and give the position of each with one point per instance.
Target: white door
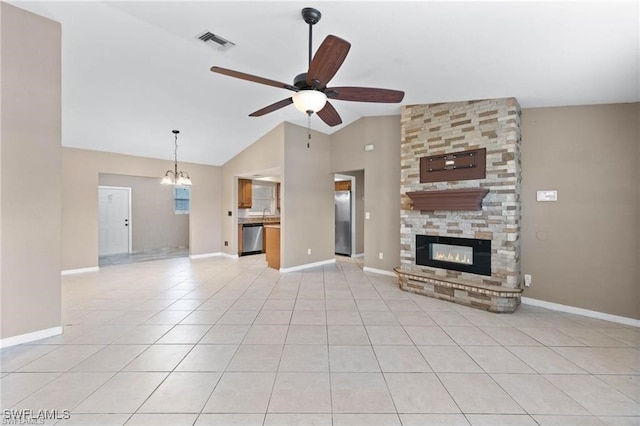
(113, 206)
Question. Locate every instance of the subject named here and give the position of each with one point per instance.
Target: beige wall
(307, 200)
(381, 182)
(153, 222)
(80, 171)
(267, 153)
(583, 250)
(30, 184)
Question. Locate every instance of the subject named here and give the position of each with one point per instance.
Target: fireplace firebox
(457, 254)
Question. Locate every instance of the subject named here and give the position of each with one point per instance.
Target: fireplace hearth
(456, 254)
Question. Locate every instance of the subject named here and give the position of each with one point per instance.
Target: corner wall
(307, 217)
(30, 189)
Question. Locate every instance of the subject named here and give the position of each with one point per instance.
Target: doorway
(114, 211)
(349, 203)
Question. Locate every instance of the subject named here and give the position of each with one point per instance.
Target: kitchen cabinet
(272, 241)
(245, 195)
(278, 196)
(343, 185)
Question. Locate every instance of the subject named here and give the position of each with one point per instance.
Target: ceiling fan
(311, 89)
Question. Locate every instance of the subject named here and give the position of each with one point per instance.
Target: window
(264, 199)
(181, 199)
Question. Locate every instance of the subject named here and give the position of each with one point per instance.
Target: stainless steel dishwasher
(252, 234)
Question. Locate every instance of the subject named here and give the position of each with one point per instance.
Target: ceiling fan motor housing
(301, 81)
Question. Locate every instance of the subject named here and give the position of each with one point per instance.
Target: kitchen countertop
(259, 220)
(272, 225)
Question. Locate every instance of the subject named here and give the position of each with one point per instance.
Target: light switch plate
(549, 195)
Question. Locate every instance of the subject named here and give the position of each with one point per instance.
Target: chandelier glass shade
(309, 101)
(175, 176)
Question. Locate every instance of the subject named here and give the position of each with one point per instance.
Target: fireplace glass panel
(456, 254)
(452, 253)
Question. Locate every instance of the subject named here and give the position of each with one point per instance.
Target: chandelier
(175, 177)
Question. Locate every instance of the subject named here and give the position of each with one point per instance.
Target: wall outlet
(527, 280)
(367, 215)
(308, 251)
(380, 256)
(226, 243)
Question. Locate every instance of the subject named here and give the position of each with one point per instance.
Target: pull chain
(175, 153)
(308, 130)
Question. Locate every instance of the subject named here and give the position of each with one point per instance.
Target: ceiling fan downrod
(311, 16)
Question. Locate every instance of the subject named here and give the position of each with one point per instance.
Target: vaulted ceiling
(133, 71)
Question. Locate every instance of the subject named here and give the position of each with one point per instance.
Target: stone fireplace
(464, 251)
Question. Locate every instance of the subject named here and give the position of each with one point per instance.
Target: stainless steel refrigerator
(343, 222)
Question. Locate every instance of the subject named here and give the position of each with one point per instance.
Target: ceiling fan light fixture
(309, 101)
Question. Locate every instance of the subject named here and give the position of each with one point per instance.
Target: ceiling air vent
(214, 40)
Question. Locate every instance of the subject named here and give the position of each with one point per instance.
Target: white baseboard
(204, 255)
(79, 271)
(30, 337)
(358, 255)
(307, 266)
(580, 311)
(230, 256)
(379, 271)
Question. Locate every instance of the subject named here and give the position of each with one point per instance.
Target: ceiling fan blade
(273, 107)
(364, 94)
(327, 60)
(253, 78)
(329, 115)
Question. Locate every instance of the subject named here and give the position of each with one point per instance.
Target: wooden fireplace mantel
(450, 199)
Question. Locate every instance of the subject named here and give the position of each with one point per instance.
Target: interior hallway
(228, 341)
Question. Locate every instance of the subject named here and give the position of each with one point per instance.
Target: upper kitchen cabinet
(343, 185)
(244, 194)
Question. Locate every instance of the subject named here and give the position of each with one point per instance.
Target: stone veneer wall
(446, 128)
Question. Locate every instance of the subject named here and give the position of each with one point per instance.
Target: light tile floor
(221, 341)
(143, 256)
